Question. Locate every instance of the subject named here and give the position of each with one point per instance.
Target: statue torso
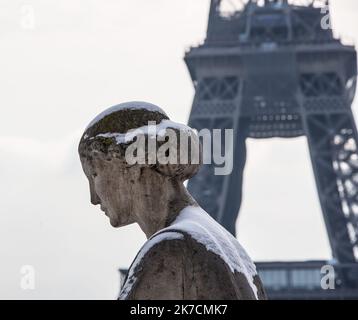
(192, 259)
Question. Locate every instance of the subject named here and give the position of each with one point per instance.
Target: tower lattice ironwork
(273, 68)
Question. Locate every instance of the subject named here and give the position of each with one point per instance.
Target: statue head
(110, 150)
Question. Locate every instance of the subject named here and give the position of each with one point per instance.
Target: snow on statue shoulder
(188, 254)
(214, 263)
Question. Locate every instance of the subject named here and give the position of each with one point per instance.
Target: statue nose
(95, 202)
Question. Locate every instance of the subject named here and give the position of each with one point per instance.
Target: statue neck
(161, 211)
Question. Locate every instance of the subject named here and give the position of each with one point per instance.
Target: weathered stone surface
(180, 265)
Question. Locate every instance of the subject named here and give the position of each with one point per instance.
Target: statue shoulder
(157, 271)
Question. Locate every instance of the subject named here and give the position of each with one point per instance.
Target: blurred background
(63, 62)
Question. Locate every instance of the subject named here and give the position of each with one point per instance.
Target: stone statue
(188, 255)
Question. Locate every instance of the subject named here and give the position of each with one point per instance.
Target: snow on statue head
(136, 159)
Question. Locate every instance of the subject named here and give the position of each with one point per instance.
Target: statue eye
(94, 175)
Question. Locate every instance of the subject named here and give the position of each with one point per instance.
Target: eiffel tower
(273, 68)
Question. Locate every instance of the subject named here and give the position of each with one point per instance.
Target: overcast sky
(64, 61)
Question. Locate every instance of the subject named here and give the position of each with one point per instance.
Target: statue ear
(181, 172)
(186, 158)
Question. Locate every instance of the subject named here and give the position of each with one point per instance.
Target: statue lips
(104, 209)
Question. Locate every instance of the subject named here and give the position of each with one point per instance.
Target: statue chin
(114, 223)
(117, 224)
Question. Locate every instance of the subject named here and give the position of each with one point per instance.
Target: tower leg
(333, 141)
(220, 195)
(233, 198)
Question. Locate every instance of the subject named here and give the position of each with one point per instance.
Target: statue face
(111, 187)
